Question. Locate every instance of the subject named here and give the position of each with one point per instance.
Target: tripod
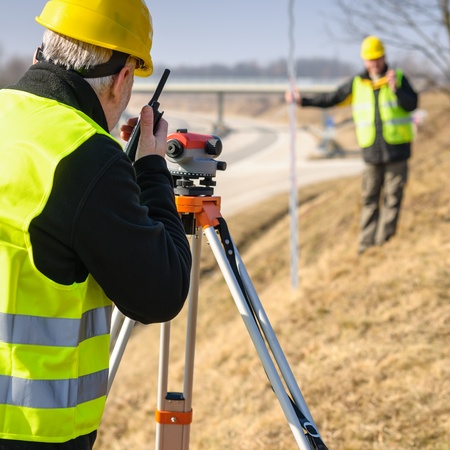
(200, 212)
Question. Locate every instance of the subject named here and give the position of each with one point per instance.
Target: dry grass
(366, 336)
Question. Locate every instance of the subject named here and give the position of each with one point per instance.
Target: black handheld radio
(132, 143)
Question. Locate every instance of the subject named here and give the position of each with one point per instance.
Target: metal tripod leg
(174, 409)
(258, 341)
(275, 347)
(123, 331)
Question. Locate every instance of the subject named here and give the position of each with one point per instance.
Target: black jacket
(108, 218)
(380, 152)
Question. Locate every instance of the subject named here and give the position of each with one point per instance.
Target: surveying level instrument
(191, 160)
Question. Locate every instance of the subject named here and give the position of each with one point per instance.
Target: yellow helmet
(124, 26)
(372, 48)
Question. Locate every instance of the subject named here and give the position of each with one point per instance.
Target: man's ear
(120, 83)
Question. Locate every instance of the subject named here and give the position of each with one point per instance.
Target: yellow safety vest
(54, 339)
(396, 122)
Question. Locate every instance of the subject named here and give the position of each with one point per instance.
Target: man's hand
(149, 143)
(392, 80)
(292, 97)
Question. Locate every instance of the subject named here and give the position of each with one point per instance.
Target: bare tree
(417, 27)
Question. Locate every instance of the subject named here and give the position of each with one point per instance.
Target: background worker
(80, 227)
(382, 101)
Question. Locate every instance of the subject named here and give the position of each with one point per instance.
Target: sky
(201, 32)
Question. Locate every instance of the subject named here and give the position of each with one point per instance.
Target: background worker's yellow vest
(397, 123)
(54, 339)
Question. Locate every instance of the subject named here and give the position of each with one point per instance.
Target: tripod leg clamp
(173, 417)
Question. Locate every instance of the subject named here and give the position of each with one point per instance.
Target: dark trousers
(382, 193)
(81, 443)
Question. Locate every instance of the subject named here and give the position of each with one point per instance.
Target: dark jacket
(108, 218)
(380, 152)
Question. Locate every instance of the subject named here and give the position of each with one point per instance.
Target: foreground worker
(382, 100)
(80, 227)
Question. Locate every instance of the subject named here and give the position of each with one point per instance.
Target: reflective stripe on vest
(50, 331)
(52, 393)
(54, 339)
(396, 122)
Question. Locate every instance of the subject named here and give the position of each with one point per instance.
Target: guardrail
(233, 87)
(222, 87)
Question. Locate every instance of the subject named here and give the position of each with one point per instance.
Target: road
(258, 159)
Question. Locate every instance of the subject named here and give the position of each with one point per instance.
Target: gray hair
(73, 54)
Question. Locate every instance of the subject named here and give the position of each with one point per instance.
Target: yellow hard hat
(124, 26)
(372, 48)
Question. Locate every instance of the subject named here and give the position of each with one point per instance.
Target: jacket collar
(65, 86)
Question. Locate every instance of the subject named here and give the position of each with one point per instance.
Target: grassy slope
(366, 336)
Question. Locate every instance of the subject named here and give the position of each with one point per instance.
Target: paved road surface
(258, 160)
